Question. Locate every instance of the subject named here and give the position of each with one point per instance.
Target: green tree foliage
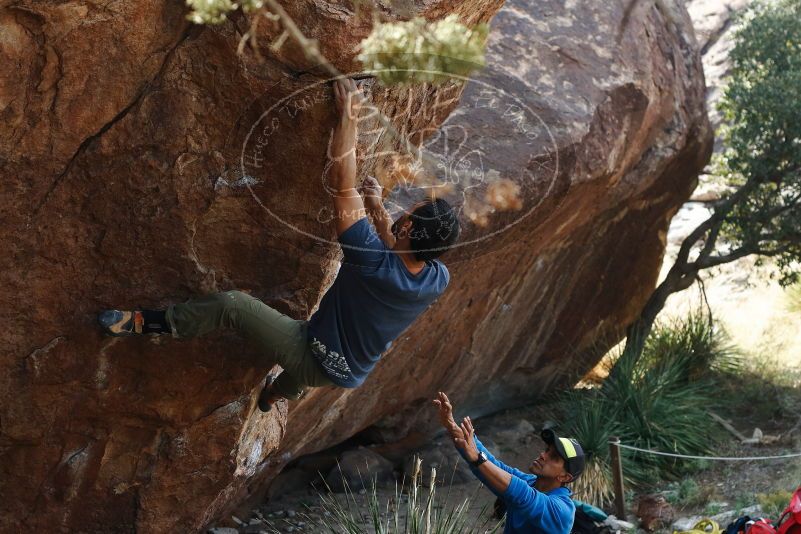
(760, 213)
(762, 137)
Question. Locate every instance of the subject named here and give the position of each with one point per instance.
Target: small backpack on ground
(583, 523)
(738, 525)
(748, 525)
(760, 526)
(790, 521)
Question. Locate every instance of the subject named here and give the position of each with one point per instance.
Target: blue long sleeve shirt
(529, 511)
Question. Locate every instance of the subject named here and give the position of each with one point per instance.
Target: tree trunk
(678, 279)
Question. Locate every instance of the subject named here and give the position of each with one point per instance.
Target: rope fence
(713, 458)
(617, 465)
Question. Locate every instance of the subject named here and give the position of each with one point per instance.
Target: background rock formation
(121, 186)
(714, 23)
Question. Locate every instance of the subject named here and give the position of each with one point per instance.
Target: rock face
(715, 23)
(128, 179)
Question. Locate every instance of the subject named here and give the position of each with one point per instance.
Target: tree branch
(714, 261)
(702, 287)
(309, 46)
(789, 237)
(711, 240)
(788, 205)
(714, 225)
(789, 240)
(717, 218)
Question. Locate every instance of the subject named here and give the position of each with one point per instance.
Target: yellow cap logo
(570, 450)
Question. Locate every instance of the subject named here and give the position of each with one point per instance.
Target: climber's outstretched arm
(348, 204)
(373, 202)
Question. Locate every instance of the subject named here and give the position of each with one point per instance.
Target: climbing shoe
(121, 323)
(130, 323)
(266, 395)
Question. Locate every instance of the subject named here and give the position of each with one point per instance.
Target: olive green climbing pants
(272, 331)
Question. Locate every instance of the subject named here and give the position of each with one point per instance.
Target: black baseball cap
(569, 449)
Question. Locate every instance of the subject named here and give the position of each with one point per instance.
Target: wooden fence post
(617, 476)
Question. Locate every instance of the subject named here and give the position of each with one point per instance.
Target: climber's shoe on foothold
(266, 395)
(121, 323)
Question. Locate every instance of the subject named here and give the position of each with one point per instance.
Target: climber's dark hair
(435, 228)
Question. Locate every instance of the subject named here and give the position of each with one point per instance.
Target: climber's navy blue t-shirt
(373, 299)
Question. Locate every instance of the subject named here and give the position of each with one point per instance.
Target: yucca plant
(586, 420)
(663, 412)
(421, 514)
(658, 408)
(658, 402)
(592, 418)
(705, 346)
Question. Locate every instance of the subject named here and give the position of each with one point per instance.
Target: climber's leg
(270, 329)
(276, 333)
(300, 371)
(279, 336)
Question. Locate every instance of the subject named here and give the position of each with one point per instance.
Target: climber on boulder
(388, 277)
(536, 502)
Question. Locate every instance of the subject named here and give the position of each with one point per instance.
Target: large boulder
(614, 134)
(126, 182)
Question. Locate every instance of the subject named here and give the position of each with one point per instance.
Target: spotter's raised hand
(443, 403)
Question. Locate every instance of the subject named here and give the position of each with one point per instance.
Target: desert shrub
(420, 51)
(422, 511)
(773, 504)
(658, 402)
(706, 348)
